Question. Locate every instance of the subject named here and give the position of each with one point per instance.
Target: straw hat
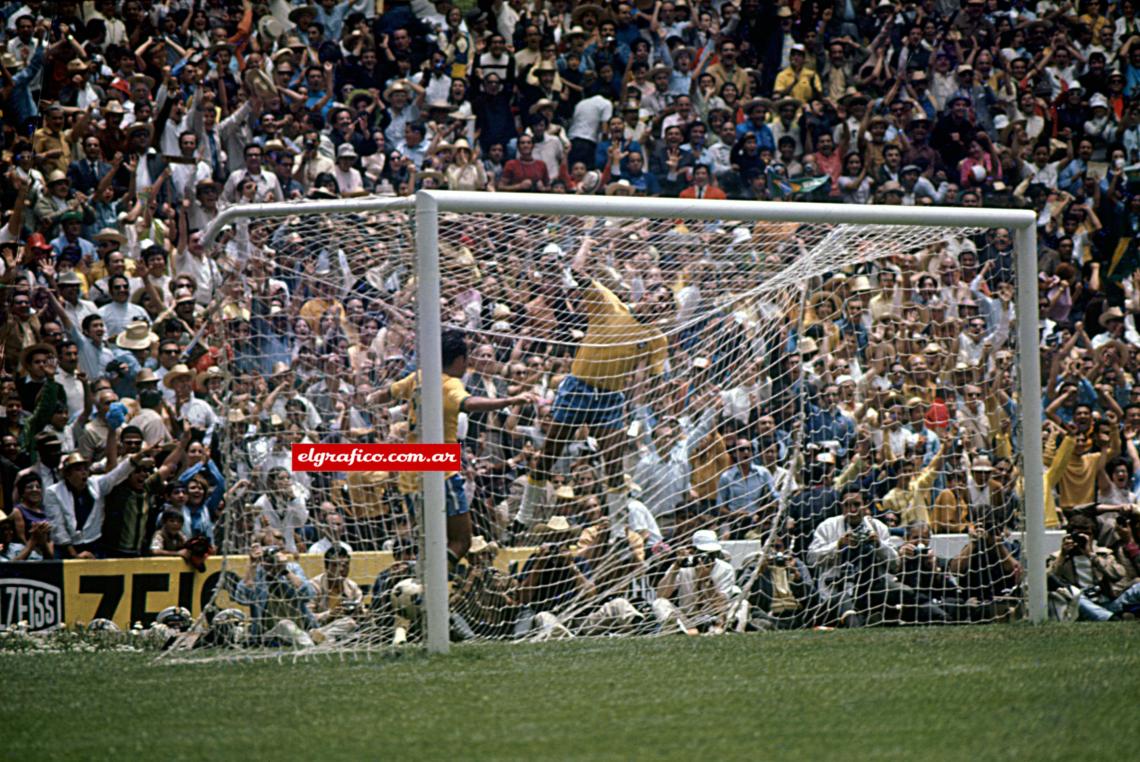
(146, 376)
(136, 335)
(176, 373)
(1112, 313)
(208, 375)
(110, 234)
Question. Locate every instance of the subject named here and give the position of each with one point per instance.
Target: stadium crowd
(882, 414)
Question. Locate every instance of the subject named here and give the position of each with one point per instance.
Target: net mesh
(683, 426)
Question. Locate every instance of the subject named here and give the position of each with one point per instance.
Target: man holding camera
(986, 570)
(336, 598)
(1090, 575)
(931, 593)
(853, 555)
(783, 595)
(277, 593)
(697, 589)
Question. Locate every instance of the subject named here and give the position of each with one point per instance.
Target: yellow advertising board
(136, 590)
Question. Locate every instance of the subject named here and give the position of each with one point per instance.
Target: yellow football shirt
(615, 343)
(453, 395)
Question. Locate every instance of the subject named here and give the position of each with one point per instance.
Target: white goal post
(429, 205)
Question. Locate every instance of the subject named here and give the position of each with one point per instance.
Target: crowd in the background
(846, 434)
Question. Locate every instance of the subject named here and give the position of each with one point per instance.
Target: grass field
(1004, 692)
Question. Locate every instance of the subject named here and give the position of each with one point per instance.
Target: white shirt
(117, 315)
(589, 116)
(689, 602)
(641, 521)
(824, 551)
(665, 479)
(291, 517)
(59, 506)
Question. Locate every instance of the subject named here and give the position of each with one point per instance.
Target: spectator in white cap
(347, 176)
(695, 593)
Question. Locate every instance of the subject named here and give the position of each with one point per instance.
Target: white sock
(532, 496)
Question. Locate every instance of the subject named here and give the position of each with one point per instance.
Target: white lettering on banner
(31, 601)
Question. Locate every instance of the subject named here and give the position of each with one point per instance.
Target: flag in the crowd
(786, 188)
(1125, 259)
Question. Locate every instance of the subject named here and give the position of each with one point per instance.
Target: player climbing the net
(624, 347)
(456, 400)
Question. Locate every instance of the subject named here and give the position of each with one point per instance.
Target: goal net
(673, 426)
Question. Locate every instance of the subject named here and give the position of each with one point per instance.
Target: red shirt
(517, 170)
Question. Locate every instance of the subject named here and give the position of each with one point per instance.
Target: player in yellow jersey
(456, 400)
(620, 339)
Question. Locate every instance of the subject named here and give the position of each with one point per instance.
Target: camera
(779, 558)
(269, 555)
(860, 534)
(921, 549)
(310, 145)
(700, 559)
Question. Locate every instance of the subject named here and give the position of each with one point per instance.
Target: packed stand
(882, 414)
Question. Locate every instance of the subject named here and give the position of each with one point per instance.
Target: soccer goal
(677, 416)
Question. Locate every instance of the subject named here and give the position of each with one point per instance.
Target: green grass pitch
(970, 693)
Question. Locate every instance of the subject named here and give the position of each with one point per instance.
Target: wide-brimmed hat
(540, 104)
(141, 79)
(1112, 313)
(754, 102)
(432, 173)
(599, 12)
(621, 187)
(74, 459)
(398, 85)
(110, 234)
(260, 83)
(557, 526)
(179, 371)
(270, 27)
(981, 463)
(360, 93)
(146, 376)
(208, 375)
(479, 544)
(35, 349)
(136, 335)
(300, 10)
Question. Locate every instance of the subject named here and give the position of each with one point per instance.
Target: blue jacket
(20, 101)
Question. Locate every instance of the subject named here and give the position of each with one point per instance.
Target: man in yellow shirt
(51, 143)
(797, 81)
(456, 400)
(620, 340)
